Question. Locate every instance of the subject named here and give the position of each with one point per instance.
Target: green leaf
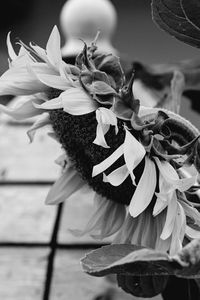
(180, 18)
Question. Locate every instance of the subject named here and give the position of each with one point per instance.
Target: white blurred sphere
(82, 19)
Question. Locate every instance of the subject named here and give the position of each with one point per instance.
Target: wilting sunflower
(136, 159)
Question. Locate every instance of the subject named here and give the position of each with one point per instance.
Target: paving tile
(21, 160)
(22, 273)
(70, 282)
(77, 210)
(24, 217)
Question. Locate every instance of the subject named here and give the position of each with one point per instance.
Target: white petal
(163, 197)
(54, 81)
(178, 231)
(170, 218)
(41, 122)
(105, 164)
(53, 48)
(145, 189)
(107, 117)
(171, 176)
(76, 101)
(134, 152)
(117, 177)
(69, 182)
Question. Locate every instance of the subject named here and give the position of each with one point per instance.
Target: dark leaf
(145, 286)
(110, 64)
(175, 18)
(131, 260)
(101, 88)
(191, 10)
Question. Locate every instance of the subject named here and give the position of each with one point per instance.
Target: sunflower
(134, 158)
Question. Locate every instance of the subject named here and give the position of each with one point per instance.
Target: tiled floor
(39, 257)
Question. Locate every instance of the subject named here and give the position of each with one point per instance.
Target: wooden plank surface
(22, 273)
(23, 215)
(21, 160)
(71, 283)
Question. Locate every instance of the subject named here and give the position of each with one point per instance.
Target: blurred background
(136, 35)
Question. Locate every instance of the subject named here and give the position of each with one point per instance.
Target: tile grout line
(53, 248)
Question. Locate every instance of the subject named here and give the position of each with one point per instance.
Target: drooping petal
(41, 122)
(171, 176)
(106, 219)
(76, 101)
(117, 177)
(163, 197)
(170, 218)
(178, 231)
(105, 164)
(134, 152)
(69, 182)
(24, 111)
(145, 189)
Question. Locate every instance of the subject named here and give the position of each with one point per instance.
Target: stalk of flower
(130, 155)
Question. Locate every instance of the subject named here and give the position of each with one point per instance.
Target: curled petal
(101, 130)
(105, 164)
(11, 51)
(117, 177)
(145, 189)
(41, 122)
(105, 117)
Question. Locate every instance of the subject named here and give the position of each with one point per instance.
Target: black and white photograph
(100, 150)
